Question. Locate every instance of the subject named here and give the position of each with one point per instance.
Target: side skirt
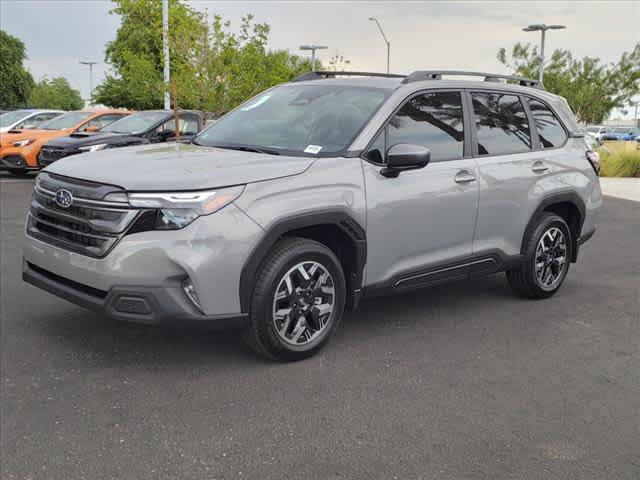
(478, 265)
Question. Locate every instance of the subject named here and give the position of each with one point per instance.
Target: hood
(174, 167)
(6, 139)
(81, 139)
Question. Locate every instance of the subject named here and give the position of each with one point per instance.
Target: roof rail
(488, 77)
(329, 74)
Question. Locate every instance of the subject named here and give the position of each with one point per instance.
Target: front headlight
(93, 148)
(173, 211)
(24, 143)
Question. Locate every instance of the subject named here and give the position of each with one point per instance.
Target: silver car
(26, 119)
(316, 194)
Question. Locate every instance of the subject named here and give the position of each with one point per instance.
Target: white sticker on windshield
(313, 149)
(257, 103)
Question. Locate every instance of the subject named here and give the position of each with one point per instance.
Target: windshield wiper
(247, 148)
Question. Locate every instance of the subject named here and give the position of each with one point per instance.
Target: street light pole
(374, 19)
(165, 53)
(313, 49)
(90, 64)
(542, 28)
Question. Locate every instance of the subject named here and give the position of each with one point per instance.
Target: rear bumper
(138, 304)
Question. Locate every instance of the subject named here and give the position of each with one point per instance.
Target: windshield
(300, 119)
(137, 123)
(67, 120)
(9, 118)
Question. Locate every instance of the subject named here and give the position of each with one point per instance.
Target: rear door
(508, 167)
(426, 217)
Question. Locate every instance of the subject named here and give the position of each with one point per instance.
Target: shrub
(620, 164)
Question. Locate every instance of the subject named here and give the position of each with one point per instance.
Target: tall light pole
(541, 27)
(374, 19)
(91, 64)
(313, 49)
(165, 53)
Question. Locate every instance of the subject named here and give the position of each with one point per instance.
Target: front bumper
(141, 278)
(148, 305)
(16, 162)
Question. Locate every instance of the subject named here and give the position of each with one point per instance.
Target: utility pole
(165, 53)
(541, 27)
(90, 64)
(374, 19)
(313, 49)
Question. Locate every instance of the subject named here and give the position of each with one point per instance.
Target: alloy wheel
(551, 258)
(303, 303)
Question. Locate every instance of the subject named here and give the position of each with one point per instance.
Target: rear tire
(297, 302)
(547, 252)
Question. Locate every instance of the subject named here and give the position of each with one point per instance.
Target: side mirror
(405, 156)
(92, 128)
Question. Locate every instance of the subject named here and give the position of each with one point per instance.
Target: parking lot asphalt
(462, 381)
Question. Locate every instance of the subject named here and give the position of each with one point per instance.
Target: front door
(426, 217)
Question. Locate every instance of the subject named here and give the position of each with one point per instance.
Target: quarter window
(434, 120)
(550, 131)
(501, 124)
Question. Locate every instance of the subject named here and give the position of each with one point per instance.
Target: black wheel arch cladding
(310, 225)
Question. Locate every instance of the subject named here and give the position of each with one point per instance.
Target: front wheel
(297, 302)
(548, 250)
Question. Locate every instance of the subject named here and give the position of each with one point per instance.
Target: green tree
(214, 69)
(238, 66)
(136, 55)
(55, 93)
(593, 89)
(15, 81)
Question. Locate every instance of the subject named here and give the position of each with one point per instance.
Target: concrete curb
(626, 188)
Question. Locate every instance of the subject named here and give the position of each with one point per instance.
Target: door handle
(539, 167)
(464, 176)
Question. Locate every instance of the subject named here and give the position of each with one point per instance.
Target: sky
(462, 35)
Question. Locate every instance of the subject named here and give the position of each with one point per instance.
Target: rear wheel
(298, 300)
(547, 257)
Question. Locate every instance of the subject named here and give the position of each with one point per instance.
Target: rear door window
(550, 131)
(501, 123)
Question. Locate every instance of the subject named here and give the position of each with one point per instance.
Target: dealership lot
(462, 381)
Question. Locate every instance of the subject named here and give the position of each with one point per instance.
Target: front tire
(547, 252)
(297, 302)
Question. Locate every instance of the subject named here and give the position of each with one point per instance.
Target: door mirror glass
(405, 156)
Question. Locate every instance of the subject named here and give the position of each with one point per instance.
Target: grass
(620, 160)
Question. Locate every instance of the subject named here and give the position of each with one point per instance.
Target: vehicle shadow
(90, 338)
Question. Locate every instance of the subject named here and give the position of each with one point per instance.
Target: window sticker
(313, 149)
(257, 103)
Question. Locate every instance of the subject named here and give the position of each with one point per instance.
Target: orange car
(19, 148)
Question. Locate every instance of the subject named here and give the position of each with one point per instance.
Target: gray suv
(318, 193)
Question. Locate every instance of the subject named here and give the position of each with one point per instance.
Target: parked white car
(597, 131)
(27, 118)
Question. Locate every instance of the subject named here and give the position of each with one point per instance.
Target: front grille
(89, 227)
(49, 155)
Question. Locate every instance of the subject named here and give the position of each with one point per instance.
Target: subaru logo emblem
(64, 198)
